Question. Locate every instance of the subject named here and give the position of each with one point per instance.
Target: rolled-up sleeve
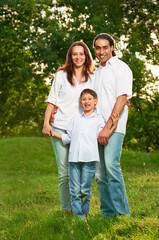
(55, 88)
(124, 82)
(101, 123)
(66, 137)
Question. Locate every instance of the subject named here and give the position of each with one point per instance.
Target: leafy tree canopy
(35, 36)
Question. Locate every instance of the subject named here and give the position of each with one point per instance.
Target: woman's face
(78, 56)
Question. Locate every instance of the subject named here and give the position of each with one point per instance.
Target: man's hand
(103, 136)
(112, 122)
(52, 114)
(47, 130)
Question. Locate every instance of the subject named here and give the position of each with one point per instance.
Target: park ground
(29, 200)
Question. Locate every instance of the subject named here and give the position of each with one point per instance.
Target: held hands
(106, 132)
(47, 130)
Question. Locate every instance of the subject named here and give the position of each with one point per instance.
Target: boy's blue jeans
(109, 178)
(61, 154)
(81, 176)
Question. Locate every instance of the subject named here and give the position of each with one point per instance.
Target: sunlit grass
(29, 200)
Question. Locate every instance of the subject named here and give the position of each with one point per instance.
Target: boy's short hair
(90, 91)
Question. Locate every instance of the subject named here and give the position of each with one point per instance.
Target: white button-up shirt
(66, 97)
(82, 134)
(112, 81)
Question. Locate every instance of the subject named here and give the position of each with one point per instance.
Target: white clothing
(82, 134)
(112, 81)
(66, 98)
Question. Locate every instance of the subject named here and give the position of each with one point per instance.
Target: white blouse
(66, 97)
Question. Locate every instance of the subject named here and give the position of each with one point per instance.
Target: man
(113, 84)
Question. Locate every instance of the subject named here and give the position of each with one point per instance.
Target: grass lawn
(29, 200)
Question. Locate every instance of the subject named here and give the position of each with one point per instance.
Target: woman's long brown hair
(68, 66)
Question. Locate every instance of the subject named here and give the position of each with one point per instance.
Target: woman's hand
(115, 118)
(47, 130)
(128, 103)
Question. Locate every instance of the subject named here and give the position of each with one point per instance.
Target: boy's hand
(53, 134)
(52, 114)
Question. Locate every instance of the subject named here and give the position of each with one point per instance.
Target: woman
(70, 79)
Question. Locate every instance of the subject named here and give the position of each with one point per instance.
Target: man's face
(103, 50)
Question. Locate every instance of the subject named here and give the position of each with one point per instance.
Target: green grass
(29, 200)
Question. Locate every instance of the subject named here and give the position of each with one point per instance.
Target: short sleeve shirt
(82, 134)
(112, 81)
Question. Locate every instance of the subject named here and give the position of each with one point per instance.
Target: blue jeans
(81, 176)
(109, 178)
(61, 154)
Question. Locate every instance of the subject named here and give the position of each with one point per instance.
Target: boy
(82, 134)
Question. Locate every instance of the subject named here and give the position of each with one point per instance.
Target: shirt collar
(83, 78)
(110, 61)
(92, 115)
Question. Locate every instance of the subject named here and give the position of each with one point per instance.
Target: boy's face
(88, 102)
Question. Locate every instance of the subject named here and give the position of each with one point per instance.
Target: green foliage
(22, 90)
(143, 124)
(35, 36)
(29, 198)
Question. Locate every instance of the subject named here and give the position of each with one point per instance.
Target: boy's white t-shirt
(82, 134)
(66, 98)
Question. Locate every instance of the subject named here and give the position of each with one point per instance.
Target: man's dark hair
(90, 91)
